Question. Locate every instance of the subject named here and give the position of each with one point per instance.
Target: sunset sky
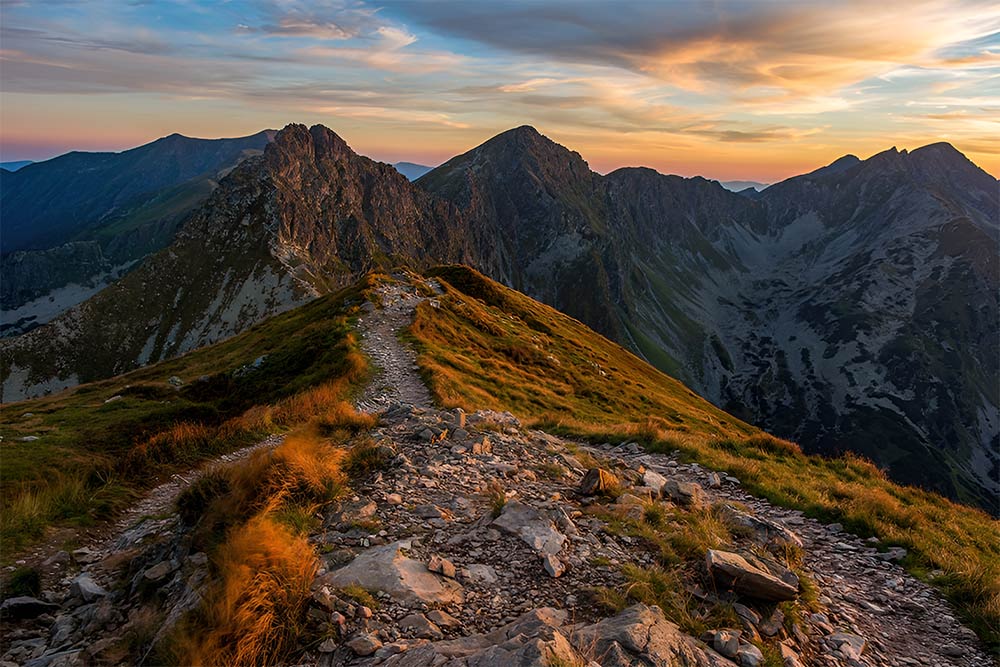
(749, 90)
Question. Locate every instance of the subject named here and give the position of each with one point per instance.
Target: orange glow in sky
(727, 90)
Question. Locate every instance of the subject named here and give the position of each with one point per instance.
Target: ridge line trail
(905, 621)
(396, 380)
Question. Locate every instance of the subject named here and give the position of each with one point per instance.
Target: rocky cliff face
(866, 318)
(307, 215)
(852, 308)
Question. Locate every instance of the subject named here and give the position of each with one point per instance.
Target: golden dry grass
(490, 347)
(252, 616)
(255, 613)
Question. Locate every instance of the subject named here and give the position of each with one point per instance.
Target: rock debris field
(484, 543)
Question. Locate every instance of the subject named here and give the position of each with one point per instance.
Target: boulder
(789, 657)
(23, 606)
(421, 627)
(641, 635)
(86, 588)
(749, 656)
(536, 530)
(725, 642)
(364, 644)
(598, 481)
(441, 566)
(653, 480)
(387, 569)
(687, 494)
(764, 532)
(850, 645)
(555, 567)
(733, 571)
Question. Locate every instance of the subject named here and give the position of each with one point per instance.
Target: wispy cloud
(745, 89)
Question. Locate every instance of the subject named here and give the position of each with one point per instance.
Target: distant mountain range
(76, 222)
(14, 166)
(852, 308)
(740, 186)
(412, 170)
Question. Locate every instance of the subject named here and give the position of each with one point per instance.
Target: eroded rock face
(387, 569)
(732, 570)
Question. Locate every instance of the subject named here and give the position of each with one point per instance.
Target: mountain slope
(757, 302)
(870, 322)
(75, 223)
(14, 166)
(411, 170)
(296, 509)
(51, 202)
(482, 345)
(306, 216)
(853, 308)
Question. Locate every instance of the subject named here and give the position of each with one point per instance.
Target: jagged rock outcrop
(307, 216)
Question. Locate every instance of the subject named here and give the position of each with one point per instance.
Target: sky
(728, 90)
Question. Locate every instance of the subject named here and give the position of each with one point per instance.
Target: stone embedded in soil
(553, 566)
(688, 494)
(387, 569)
(732, 570)
(24, 606)
(536, 530)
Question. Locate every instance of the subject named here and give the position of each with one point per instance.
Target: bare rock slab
(535, 529)
(732, 570)
(641, 635)
(387, 569)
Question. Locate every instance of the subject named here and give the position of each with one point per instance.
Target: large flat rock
(389, 570)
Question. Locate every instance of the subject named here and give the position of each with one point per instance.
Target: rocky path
(484, 543)
(865, 593)
(396, 379)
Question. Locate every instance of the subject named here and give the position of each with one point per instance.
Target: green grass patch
(93, 456)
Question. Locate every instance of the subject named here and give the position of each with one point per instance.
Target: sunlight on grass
(486, 346)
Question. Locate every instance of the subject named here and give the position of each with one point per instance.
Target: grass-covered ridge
(99, 444)
(484, 346)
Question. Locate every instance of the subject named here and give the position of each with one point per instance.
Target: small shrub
(359, 595)
(23, 581)
(497, 497)
(366, 457)
(654, 515)
(607, 600)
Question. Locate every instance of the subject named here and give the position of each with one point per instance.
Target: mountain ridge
(707, 284)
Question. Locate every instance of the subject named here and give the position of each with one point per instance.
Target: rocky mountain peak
(838, 166)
